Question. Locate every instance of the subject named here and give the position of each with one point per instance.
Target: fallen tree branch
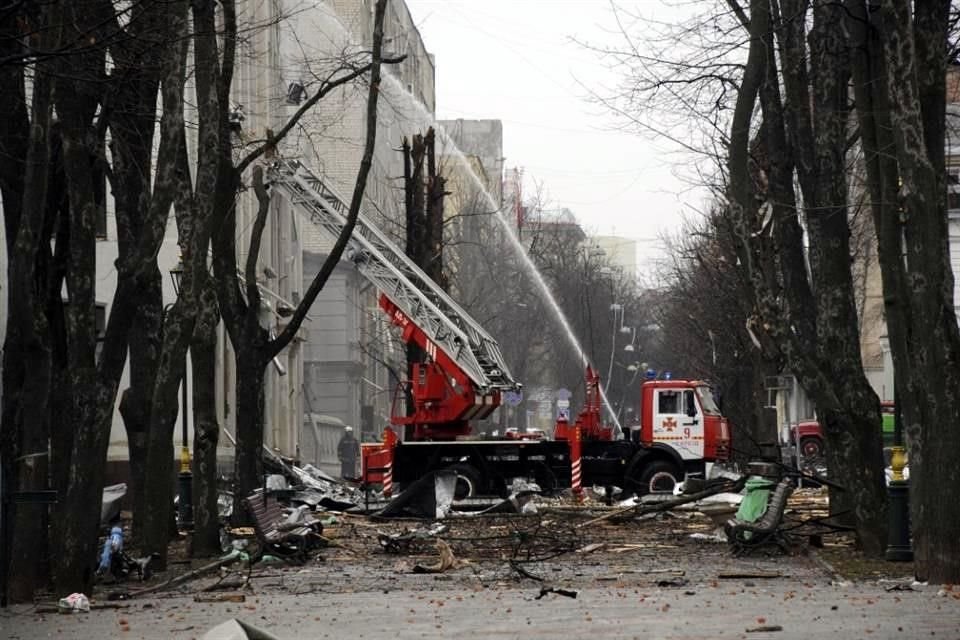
(230, 558)
(560, 592)
(642, 509)
(516, 566)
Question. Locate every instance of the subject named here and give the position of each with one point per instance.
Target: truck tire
(468, 481)
(811, 447)
(659, 476)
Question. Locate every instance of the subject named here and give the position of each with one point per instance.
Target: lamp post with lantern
(185, 477)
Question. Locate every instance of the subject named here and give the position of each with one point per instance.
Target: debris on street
(446, 561)
(560, 592)
(301, 543)
(236, 630)
(110, 505)
(73, 603)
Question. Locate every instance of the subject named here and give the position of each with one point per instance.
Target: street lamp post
(899, 548)
(185, 477)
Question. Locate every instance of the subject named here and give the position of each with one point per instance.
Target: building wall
(482, 140)
(347, 348)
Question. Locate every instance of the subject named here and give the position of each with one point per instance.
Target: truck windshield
(706, 398)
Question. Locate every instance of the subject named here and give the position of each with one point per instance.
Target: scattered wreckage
(301, 515)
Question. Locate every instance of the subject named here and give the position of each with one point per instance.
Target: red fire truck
(464, 375)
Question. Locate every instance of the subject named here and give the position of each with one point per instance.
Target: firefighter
(348, 450)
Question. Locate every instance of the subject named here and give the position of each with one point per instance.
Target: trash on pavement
(224, 504)
(673, 582)
(405, 541)
(276, 482)
(447, 560)
(118, 564)
(73, 603)
(113, 545)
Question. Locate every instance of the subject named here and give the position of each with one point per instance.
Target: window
(669, 402)
(708, 401)
(953, 188)
(689, 404)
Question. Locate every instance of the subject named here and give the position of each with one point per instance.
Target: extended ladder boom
(378, 259)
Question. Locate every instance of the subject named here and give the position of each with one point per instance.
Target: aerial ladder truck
(465, 377)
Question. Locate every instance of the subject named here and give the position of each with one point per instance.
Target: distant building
(481, 140)
(621, 252)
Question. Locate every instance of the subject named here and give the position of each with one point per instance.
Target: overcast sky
(516, 61)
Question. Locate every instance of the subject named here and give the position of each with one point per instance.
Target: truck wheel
(468, 481)
(659, 476)
(811, 447)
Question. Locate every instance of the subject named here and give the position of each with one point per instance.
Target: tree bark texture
(140, 62)
(180, 322)
(851, 426)
(77, 99)
(249, 454)
(417, 234)
(206, 429)
(436, 193)
(27, 355)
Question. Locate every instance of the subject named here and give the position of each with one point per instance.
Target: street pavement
(752, 609)
(672, 577)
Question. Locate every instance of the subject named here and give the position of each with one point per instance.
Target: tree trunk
(158, 496)
(853, 434)
(144, 348)
(433, 238)
(249, 451)
(925, 340)
(29, 534)
(416, 236)
(206, 429)
(26, 350)
(139, 68)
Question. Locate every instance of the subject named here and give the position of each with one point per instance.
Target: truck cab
(682, 415)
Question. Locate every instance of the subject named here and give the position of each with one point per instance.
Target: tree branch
(326, 87)
(277, 344)
(250, 273)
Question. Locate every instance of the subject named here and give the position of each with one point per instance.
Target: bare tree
(75, 39)
(702, 313)
(253, 346)
(899, 57)
(802, 301)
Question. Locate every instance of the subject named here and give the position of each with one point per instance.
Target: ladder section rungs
(392, 271)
